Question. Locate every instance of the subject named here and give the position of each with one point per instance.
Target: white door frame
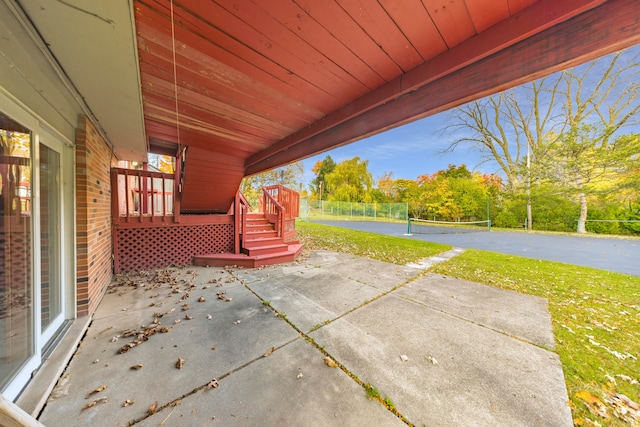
(42, 133)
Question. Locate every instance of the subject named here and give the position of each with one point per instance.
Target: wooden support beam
(543, 15)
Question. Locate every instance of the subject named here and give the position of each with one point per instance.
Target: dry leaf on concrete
(180, 363)
(95, 402)
(212, 384)
(152, 409)
(137, 367)
(95, 391)
(404, 357)
(268, 353)
(128, 402)
(330, 362)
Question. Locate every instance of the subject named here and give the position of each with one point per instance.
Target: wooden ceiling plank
(452, 19)
(417, 26)
(227, 87)
(154, 67)
(516, 6)
(486, 13)
(300, 23)
(610, 27)
(201, 102)
(263, 34)
(334, 19)
(190, 117)
(530, 21)
(236, 56)
(221, 141)
(380, 27)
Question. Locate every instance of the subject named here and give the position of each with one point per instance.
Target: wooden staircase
(260, 246)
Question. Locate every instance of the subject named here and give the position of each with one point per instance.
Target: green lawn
(595, 313)
(384, 248)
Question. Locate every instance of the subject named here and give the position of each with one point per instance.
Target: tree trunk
(582, 221)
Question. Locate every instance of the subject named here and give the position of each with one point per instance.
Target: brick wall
(94, 160)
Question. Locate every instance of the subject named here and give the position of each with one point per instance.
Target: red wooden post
(115, 201)
(236, 223)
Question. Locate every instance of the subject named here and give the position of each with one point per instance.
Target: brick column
(94, 160)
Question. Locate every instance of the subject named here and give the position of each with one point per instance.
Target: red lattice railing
(144, 248)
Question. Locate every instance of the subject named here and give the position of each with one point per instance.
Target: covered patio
(331, 339)
(228, 89)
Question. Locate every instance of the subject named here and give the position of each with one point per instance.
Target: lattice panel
(147, 248)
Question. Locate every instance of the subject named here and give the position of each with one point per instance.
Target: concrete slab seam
(365, 386)
(476, 323)
(213, 383)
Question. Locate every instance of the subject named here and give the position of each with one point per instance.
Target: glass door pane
(50, 286)
(16, 294)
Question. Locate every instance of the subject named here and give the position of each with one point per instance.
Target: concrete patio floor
(445, 352)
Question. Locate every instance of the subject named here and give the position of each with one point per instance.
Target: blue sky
(408, 151)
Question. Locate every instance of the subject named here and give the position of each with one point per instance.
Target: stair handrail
(287, 198)
(272, 208)
(240, 207)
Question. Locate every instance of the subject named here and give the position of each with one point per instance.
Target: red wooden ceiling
(268, 82)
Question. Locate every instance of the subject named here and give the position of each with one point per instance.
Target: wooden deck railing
(281, 206)
(142, 196)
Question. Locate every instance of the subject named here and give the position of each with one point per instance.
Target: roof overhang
(94, 44)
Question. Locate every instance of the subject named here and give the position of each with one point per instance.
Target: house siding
(94, 160)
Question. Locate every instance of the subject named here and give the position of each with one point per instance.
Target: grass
(596, 323)
(384, 248)
(595, 313)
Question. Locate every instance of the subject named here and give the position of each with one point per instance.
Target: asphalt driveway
(614, 254)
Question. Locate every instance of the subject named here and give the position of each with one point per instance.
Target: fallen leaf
(188, 317)
(95, 402)
(212, 384)
(95, 391)
(268, 353)
(128, 402)
(404, 357)
(432, 360)
(237, 322)
(126, 347)
(137, 367)
(201, 299)
(330, 363)
(179, 363)
(299, 376)
(594, 404)
(209, 316)
(152, 409)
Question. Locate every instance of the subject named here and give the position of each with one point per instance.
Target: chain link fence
(355, 211)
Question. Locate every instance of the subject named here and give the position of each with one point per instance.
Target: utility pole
(529, 215)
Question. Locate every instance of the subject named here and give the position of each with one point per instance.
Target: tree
(291, 175)
(319, 184)
(586, 161)
(512, 128)
(350, 181)
(385, 184)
